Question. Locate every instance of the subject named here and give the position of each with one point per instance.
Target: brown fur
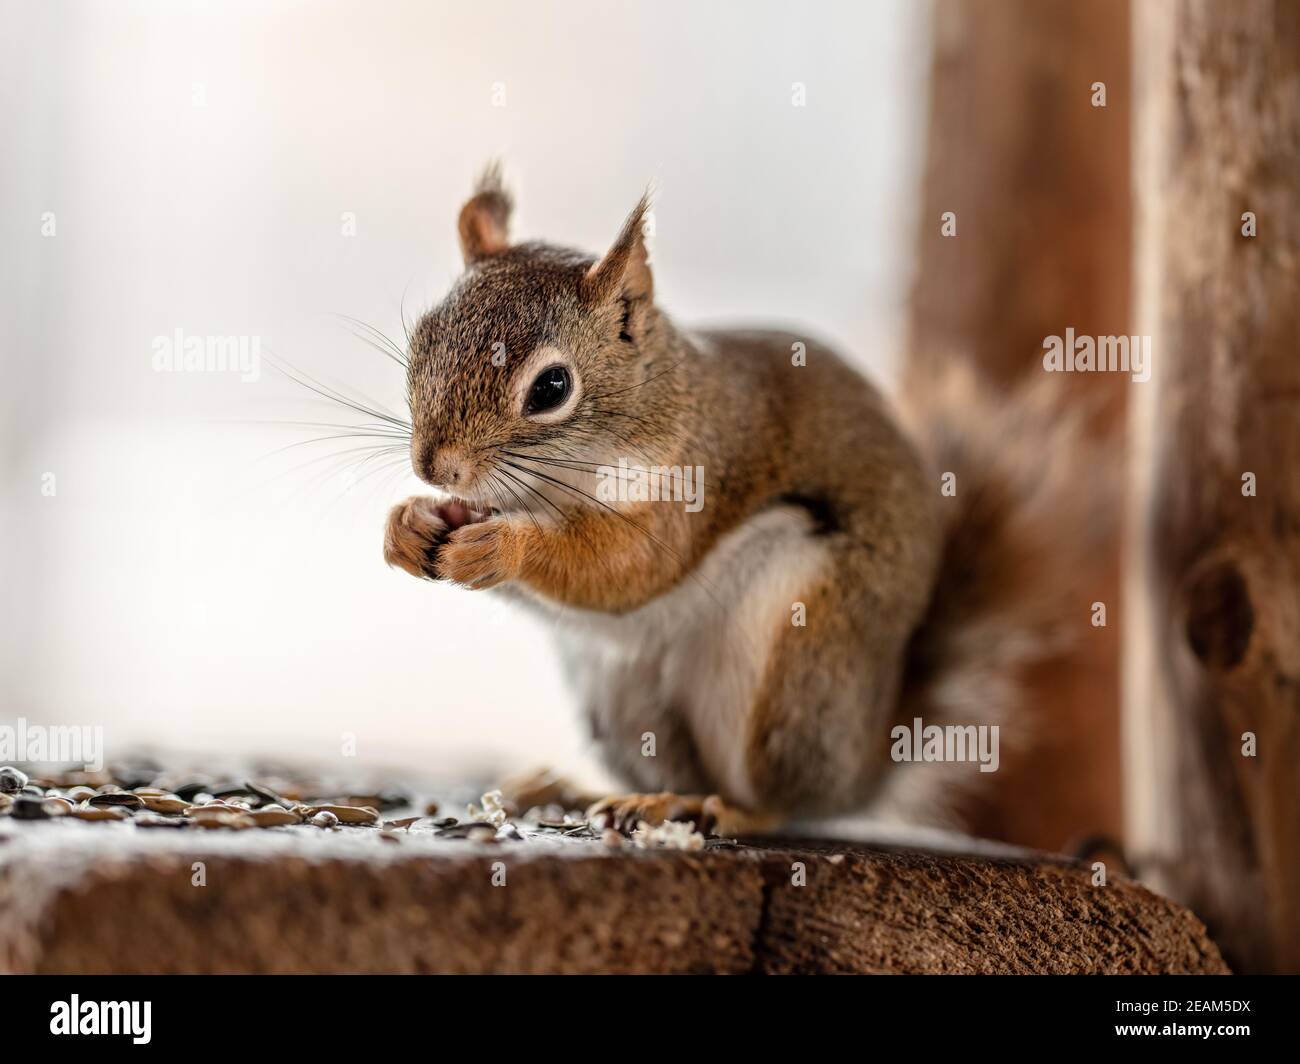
(813, 447)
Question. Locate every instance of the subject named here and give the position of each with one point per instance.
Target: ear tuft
(484, 223)
(624, 272)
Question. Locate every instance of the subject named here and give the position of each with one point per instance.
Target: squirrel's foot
(481, 554)
(710, 814)
(416, 529)
(543, 787)
(421, 528)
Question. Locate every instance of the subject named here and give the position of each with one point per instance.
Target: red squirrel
(744, 650)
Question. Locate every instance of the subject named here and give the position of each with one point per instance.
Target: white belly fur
(702, 647)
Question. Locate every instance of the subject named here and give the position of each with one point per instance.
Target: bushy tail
(1023, 532)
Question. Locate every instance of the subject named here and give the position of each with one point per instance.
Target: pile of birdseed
(147, 797)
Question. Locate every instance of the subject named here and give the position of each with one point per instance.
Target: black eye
(549, 390)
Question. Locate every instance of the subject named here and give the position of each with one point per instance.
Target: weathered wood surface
(1215, 616)
(95, 898)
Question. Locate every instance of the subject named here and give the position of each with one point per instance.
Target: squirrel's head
(536, 355)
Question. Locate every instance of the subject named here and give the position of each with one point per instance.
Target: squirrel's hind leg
(709, 813)
(816, 737)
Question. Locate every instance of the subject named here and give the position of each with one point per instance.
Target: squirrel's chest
(677, 678)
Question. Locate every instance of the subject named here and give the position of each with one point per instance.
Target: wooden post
(1212, 685)
(1038, 179)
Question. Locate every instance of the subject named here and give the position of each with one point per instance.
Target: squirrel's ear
(624, 272)
(485, 220)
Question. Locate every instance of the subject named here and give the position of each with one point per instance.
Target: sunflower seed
(325, 819)
(268, 796)
(26, 807)
(213, 805)
(56, 806)
(98, 812)
(165, 803)
(272, 818)
(122, 798)
(213, 817)
(153, 820)
(463, 831)
(349, 814)
(12, 780)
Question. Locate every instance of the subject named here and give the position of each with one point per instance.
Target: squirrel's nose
(440, 465)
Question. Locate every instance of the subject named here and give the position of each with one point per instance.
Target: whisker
(587, 495)
(305, 380)
(642, 384)
(377, 339)
(514, 495)
(586, 466)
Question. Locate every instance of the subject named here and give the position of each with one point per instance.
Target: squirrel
(848, 567)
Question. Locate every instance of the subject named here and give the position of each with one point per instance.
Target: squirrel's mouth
(458, 513)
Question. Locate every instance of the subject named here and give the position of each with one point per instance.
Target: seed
(222, 818)
(56, 806)
(463, 831)
(165, 803)
(349, 814)
(431, 809)
(213, 804)
(153, 820)
(190, 791)
(390, 836)
(98, 812)
(12, 780)
(268, 796)
(122, 798)
(26, 807)
(404, 822)
(6, 804)
(79, 793)
(272, 818)
(446, 822)
(325, 819)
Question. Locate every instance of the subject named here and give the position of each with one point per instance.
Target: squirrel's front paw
(481, 555)
(416, 529)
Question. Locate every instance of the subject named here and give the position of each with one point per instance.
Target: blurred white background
(187, 587)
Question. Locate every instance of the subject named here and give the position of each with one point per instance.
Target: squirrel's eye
(549, 390)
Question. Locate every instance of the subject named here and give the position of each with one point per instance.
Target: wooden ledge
(112, 898)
